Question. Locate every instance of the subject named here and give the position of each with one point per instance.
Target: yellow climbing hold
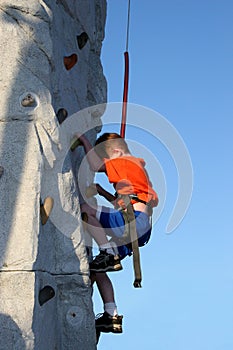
(28, 101)
(84, 220)
(91, 191)
(45, 209)
(75, 143)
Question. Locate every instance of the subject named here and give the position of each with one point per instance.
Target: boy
(129, 177)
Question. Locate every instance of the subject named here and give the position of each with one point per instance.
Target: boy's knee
(92, 277)
(90, 211)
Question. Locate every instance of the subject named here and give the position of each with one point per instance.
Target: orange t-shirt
(129, 176)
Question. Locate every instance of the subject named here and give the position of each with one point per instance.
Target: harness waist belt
(133, 197)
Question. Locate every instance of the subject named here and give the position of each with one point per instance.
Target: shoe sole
(110, 329)
(117, 267)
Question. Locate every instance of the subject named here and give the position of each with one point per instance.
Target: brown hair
(107, 140)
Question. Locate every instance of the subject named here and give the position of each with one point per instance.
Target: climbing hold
(82, 40)
(70, 61)
(84, 220)
(84, 217)
(62, 115)
(1, 171)
(91, 191)
(46, 294)
(75, 143)
(45, 209)
(88, 251)
(28, 101)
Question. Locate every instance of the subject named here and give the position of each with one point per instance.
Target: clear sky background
(181, 65)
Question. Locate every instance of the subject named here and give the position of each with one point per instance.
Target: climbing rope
(130, 212)
(126, 78)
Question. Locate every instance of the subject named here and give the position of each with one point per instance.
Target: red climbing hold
(70, 61)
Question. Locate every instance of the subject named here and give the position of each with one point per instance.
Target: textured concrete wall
(50, 67)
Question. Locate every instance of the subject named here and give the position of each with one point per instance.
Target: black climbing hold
(88, 251)
(62, 115)
(46, 294)
(28, 101)
(1, 171)
(70, 61)
(84, 217)
(82, 40)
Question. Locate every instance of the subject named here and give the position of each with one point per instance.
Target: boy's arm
(107, 195)
(94, 189)
(95, 162)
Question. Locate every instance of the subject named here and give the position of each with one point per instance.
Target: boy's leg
(107, 260)
(109, 321)
(105, 287)
(94, 227)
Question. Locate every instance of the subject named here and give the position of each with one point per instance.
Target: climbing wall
(50, 70)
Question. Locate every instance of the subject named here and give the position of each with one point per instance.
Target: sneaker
(106, 323)
(105, 262)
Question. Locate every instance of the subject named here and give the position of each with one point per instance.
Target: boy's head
(111, 145)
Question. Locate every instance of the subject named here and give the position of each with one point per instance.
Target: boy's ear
(117, 151)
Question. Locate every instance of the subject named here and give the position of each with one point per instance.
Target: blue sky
(181, 66)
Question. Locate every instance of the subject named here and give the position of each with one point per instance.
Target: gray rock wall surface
(50, 69)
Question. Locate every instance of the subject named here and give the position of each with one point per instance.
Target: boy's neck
(119, 154)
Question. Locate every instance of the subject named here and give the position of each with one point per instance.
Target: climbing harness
(130, 238)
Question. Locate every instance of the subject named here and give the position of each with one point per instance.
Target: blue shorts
(113, 222)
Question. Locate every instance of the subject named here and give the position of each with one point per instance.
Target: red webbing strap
(125, 95)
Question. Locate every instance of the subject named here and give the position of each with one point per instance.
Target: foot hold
(1, 171)
(28, 101)
(61, 115)
(45, 209)
(82, 40)
(70, 61)
(74, 144)
(46, 294)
